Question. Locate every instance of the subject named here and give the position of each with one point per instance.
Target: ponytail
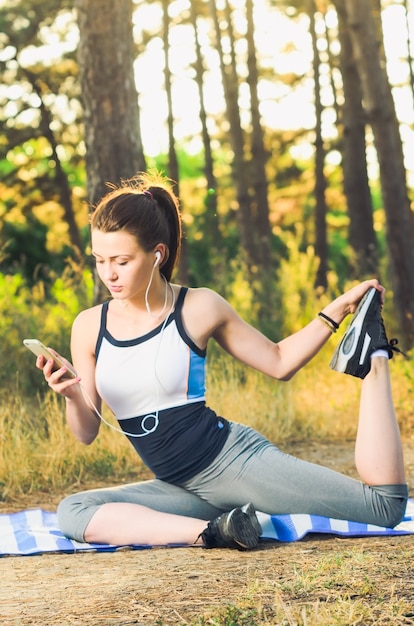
(147, 208)
(169, 205)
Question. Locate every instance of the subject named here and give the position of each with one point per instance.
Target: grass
(315, 582)
(310, 583)
(38, 452)
(320, 583)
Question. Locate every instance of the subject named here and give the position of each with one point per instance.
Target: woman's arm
(283, 359)
(80, 414)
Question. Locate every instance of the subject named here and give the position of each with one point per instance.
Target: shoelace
(392, 345)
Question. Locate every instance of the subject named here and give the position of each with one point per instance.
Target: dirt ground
(180, 585)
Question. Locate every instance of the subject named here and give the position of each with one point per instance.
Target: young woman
(143, 352)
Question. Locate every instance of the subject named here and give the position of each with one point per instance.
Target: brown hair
(146, 207)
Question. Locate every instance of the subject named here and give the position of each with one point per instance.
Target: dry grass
(319, 581)
(316, 404)
(38, 452)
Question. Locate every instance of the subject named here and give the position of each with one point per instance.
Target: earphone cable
(154, 416)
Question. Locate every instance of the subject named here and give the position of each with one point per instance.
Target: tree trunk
(109, 96)
(240, 171)
(173, 167)
(65, 192)
(332, 62)
(410, 61)
(110, 102)
(211, 223)
(259, 192)
(259, 157)
(321, 245)
(362, 236)
(379, 104)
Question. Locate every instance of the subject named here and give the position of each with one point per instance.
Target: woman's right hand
(60, 380)
(83, 404)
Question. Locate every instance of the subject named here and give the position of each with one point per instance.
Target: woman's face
(122, 265)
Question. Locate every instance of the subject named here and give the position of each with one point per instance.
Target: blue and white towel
(35, 531)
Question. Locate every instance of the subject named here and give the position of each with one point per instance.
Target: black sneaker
(238, 529)
(365, 334)
(251, 513)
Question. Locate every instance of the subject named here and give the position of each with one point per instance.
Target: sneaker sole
(343, 354)
(241, 529)
(251, 513)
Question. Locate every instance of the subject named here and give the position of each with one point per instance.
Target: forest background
(287, 130)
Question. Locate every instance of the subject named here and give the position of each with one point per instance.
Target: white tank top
(160, 370)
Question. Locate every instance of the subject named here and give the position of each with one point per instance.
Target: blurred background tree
(109, 97)
(42, 160)
(364, 23)
(279, 210)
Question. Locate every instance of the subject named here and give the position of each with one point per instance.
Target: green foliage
(296, 278)
(191, 164)
(37, 312)
(24, 248)
(40, 150)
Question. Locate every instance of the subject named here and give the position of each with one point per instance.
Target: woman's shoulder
(201, 294)
(88, 317)
(204, 311)
(206, 299)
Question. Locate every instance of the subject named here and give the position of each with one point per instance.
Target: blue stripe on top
(196, 376)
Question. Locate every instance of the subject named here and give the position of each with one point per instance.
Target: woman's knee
(391, 504)
(74, 514)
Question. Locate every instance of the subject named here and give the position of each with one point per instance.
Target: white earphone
(157, 258)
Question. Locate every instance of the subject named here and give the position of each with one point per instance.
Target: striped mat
(35, 531)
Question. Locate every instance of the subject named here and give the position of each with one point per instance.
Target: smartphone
(38, 349)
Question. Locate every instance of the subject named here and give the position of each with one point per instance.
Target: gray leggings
(248, 469)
